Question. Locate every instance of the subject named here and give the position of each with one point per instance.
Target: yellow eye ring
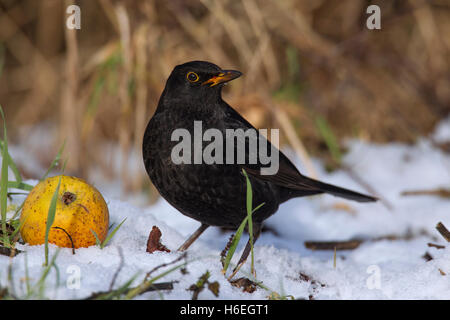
(192, 76)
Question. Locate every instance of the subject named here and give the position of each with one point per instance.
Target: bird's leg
(256, 232)
(193, 237)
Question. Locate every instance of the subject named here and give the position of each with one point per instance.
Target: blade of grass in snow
(329, 138)
(240, 230)
(98, 243)
(17, 229)
(108, 238)
(11, 164)
(4, 182)
(17, 211)
(233, 245)
(249, 216)
(27, 277)
(55, 161)
(41, 283)
(51, 218)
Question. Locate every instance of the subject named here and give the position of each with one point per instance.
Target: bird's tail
(338, 191)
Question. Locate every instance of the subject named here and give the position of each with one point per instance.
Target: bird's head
(198, 80)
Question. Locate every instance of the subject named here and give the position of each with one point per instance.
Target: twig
(183, 256)
(443, 231)
(367, 186)
(333, 245)
(443, 193)
(354, 243)
(437, 246)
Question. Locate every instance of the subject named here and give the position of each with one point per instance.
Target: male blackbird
(215, 194)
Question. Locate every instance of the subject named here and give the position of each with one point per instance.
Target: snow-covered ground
(377, 269)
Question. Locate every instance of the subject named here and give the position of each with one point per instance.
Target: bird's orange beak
(222, 77)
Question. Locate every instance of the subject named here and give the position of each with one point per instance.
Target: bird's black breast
(214, 194)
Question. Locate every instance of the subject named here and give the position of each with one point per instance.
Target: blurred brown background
(311, 68)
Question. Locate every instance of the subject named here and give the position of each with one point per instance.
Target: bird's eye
(192, 76)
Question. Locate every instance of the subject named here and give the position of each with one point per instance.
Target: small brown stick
(367, 186)
(434, 245)
(333, 245)
(443, 231)
(181, 257)
(443, 193)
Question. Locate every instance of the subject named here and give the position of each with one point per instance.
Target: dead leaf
(214, 287)
(154, 241)
(245, 284)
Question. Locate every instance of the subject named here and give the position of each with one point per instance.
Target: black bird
(215, 194)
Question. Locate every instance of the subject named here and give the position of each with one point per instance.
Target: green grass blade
(27, 276)
(97, 240)
(11, 164)
(247, 220)
(41, 283)
(17, 229)
(249, 216)
(233, 245)
(17, 211)
(4, 182)
(55, 161)
(329, 138)
(20, 185)
(109, 237)
(51, 218)
(258, 207)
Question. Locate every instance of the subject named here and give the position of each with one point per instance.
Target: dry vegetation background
(305, 63)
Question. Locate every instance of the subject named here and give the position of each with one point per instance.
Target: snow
(378, 269)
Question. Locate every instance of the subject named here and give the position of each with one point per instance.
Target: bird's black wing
(288, 175)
